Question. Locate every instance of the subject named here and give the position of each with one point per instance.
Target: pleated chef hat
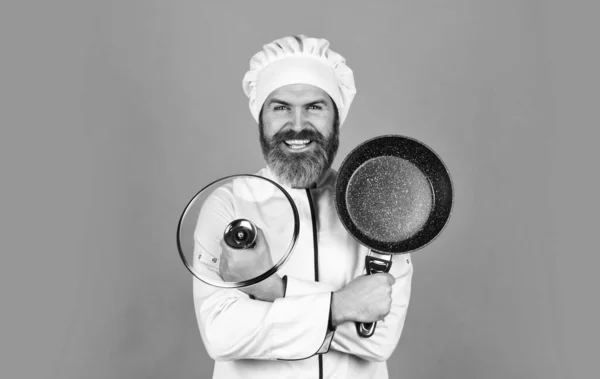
(299, 59)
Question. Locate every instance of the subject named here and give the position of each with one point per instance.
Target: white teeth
(297, 143)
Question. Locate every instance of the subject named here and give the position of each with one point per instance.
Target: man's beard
(300, 170)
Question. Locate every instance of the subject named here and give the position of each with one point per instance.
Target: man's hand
(367, 298)
(237, 265)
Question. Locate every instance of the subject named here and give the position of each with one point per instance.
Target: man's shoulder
(330, 177)
(333, 173)
(264, 171)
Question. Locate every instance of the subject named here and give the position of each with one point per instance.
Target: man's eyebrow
(279, 101)
(318, 102)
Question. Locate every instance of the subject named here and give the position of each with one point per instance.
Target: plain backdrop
(114, 113)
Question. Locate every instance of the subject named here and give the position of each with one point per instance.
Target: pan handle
(373, 265)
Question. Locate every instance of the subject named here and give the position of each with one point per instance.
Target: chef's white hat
(299, 59)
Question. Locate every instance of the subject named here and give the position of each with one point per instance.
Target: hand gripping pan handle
(373, 265)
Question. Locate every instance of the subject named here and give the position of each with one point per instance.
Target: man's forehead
(298, 93)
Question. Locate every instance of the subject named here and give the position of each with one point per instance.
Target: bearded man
(300, 322)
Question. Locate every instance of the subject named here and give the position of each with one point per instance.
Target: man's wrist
(339, 313)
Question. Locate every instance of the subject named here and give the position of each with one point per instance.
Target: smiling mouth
(297, 144)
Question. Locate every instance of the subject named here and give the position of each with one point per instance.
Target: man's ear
(260, 118)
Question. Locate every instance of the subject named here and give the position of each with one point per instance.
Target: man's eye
(280, 108)
(317, 107)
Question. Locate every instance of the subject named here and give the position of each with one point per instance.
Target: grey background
(113, 113)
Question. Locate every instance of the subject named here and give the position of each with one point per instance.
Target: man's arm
(387, 334)
(380, 346)
(235, 326)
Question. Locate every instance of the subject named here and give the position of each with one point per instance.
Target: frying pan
(394, 195)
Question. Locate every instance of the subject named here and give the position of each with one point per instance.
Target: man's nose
(298, 120)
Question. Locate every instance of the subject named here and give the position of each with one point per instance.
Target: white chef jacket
(290, 338)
